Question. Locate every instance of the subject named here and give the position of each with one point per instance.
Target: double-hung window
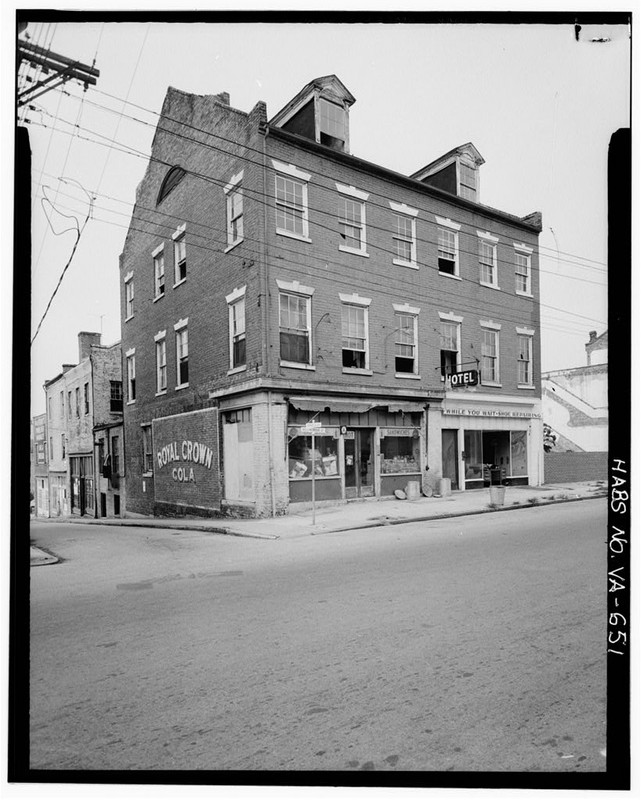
(234, 193)
(405, 340)
(115, 455)
(237, 333)
(333, 125)
(354, 328)
(69, 411)
(522, 269)
(86, 398)
(490, 352)
(450, 344)
(182, 353)
(467, 181)
(62, 405)
(295, 324)
(159, 272)
(524, 357)
(447, 242)
(147, 450)
(488, 275)
(63, 445)
(115, 396)
(351, 220)
(292, 215)
(161, 362)
(180, 255)
(404, 235)
(77, 393)
(130, 362)
(129, 295)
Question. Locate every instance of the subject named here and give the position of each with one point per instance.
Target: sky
(538, 105)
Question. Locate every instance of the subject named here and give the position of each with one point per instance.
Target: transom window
(182, 357)
(490, 356)
(524, 360)
(354, 330)
(522, 272)
(487, 260)
(450, 346)
(405, 350)
(295, 331)
(180, 258)
(447, 251)
(159, 274)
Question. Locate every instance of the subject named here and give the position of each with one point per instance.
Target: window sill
(297, 365)
(491, 383)
(158, 297)
(232, 245)
(131, 316)
(410, 375)
(161, 393)
(449, 275)
(130, 402)
(524, 294)
(291, 235)
(490, 286)
(236, 370)
(178, 283)
(182, 386)
(356, 371)
(529, 386)
(345, 249)
(397, 262)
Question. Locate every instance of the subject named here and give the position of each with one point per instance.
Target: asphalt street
(474, 643)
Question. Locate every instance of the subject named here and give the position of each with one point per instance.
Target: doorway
(359, 463)
(449, 444)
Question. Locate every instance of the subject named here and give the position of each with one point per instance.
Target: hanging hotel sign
(489, 412)
(470, 377)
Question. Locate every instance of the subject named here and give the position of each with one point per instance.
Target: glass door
(359, 463)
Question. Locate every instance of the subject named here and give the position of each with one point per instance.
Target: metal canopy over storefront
(353, 406)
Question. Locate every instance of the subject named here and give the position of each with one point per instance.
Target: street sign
(468, 378)
(313, 429)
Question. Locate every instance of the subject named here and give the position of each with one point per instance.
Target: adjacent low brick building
(269, 278)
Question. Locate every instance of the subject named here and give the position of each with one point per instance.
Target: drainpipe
(265, 325)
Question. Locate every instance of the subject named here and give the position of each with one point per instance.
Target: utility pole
(58, 69)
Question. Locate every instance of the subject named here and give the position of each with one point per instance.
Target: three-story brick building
(269, 278)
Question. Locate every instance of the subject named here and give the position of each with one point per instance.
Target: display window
(321, 461)
(400, 450)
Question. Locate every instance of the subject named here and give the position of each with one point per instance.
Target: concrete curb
(125, 523)
(40, 558)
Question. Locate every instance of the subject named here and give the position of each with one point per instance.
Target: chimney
(222, 97)
(592, 336)
(86, 341)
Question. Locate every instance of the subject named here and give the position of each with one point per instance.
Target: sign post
(312, 429)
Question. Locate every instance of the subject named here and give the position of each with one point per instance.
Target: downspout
(265, 337)
(93, 439)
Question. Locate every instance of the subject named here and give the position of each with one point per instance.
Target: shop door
(359, 463)
(449, 443)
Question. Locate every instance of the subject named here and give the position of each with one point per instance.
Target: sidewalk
(367, 513)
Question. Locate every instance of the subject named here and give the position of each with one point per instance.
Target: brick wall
(573, 467)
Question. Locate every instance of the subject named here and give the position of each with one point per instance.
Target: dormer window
(467, 181)
(457, 172)
(333, 124)
(320, 112)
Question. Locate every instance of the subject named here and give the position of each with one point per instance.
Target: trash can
(413, 490)
(497, 495)
(445, 487)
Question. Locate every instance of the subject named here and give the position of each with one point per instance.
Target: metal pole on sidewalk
(313, 481)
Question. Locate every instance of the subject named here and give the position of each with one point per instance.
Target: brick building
(84, 422)
(39, 466)
(269, 278)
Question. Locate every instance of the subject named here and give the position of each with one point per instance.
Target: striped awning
(353, 406)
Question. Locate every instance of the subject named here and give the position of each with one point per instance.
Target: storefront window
(473, 455)
(400, 450)
(519, 452)
(323, 459)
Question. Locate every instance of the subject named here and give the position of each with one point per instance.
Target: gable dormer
(320, 111)
(457, 172)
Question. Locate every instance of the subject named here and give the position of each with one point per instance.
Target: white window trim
(182, 323)
(128, 282)
(232, 298)
(177, 234)
(229, 190)
(157, 250)
(307, 295)
(160, 335)
(449, 316)
(529, 333)
(179, 231)
(350, 191)
(130, 354)
(405, 211)
(489, 238)
(178, 327)
(128, 277)
(364, 302)
(155, 253)
(158, 338)
(458, 321)
(294, 287)
(524, 250)
(453, 226)
(495, 327)
(525, 331)
(413, 312)
(406, 308)
(235, 180)
(304, 177)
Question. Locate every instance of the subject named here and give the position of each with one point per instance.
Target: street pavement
(471, 644)
(305, 521)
